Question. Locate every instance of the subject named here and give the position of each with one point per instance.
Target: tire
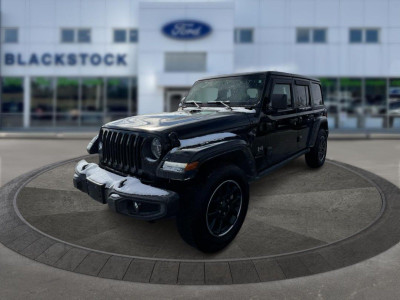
(212, 210)
(316, 157)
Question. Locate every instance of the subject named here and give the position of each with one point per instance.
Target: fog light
(136, 205)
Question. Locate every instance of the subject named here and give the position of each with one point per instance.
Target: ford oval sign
(186, 30)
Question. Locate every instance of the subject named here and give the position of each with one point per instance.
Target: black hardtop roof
(276, 73)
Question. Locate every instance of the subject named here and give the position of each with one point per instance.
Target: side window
(316, 94)
(283, 89)
(302, 96)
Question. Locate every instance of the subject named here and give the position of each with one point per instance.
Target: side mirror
(278, 101)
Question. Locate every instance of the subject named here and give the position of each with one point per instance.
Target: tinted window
(316, 94)
(12, 95)
(117, 95)
(283, 89)
(42, 91)
(371, 36)
(319, 36)
(11, 35)
(119, 35)
(67, 95)
(355, 35)
(243, 36)
(303, 35)
(302, 96)
(92, 94)
(133, 35)
(67, 35)
(84, 35)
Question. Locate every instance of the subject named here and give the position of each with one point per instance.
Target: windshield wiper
(224, 103)
(193, 102)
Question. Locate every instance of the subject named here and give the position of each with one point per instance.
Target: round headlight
(156, 148)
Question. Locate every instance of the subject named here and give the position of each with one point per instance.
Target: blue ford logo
(186, 30)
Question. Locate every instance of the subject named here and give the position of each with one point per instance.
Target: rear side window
(302, 96)
(316, 94)
(283, 89)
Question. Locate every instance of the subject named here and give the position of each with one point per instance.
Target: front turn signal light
(192, 166)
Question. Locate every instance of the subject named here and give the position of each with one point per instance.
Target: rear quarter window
(302, 96)
(316, 94)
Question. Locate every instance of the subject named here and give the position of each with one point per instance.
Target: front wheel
(212, 212)
(316, 157)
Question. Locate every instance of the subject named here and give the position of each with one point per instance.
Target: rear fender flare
(321, 122)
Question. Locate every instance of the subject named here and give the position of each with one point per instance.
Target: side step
(281, 164)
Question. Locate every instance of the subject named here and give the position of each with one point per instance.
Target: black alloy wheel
(224, 207)
(322, 148)
(316, 157)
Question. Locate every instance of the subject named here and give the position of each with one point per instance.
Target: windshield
(243, 90)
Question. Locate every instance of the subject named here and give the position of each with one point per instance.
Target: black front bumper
(154, 205)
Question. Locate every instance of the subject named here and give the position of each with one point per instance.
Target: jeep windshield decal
(243, 90)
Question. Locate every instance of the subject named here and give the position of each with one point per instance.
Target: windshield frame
(255, 105)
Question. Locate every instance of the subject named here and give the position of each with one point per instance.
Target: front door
(173, 98)
(281, 140)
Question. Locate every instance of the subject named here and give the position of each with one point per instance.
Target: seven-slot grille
(120, 150)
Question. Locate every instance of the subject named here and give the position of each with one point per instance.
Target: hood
(185, 123)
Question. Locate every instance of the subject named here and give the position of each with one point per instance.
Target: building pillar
(27, 101)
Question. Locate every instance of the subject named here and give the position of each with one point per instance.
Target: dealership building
(80, 63)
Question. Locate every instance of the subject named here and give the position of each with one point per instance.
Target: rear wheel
(316, 157)
(212, 212)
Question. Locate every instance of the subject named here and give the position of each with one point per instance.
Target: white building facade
(80, 63)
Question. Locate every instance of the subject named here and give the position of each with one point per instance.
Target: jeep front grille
(120, 151)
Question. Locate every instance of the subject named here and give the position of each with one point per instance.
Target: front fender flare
(236, 151)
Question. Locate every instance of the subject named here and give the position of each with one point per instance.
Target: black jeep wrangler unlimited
(196, 163)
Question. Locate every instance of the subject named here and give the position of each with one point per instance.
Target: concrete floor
(376, 278)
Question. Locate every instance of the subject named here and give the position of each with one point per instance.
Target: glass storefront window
(42, 95)
(394, 103)
(67, 102)
(12, 95)
(92, 101)
(375, 103)
(92, 95)
(12, 102)
(350, 103)
(117, 95)
(330, 94)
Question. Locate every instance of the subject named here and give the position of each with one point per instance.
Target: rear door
(304, 110)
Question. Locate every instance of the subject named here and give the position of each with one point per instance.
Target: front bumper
(125, 195)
